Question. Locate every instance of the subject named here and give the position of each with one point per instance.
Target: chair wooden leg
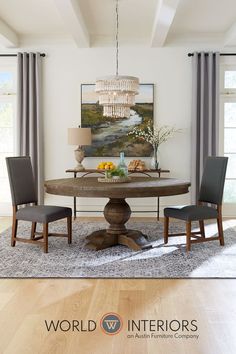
(220, 231)
(220, 225)
(33, 230)
(14, 231)
(166, 229)
(69, 229)
(45, 237)
(202, 228)
(188, 235)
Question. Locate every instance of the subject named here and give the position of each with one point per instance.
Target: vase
(122, 165)
(155, 162)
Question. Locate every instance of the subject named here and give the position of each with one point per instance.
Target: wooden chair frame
(42, 236)
(199, 236)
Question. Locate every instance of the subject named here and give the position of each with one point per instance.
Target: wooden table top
(138, 187)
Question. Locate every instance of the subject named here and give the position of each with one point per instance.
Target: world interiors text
(132, 325)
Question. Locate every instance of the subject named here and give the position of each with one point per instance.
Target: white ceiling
(135, 18)
(32, 17)
(92, 22)
(210, 16)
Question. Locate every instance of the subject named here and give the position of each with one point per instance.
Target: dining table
(117, 210)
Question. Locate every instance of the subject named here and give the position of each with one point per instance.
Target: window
(7, 130)
(228, 131)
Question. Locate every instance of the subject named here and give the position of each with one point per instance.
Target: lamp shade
(79, 136)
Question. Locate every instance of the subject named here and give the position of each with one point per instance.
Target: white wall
(64, 69)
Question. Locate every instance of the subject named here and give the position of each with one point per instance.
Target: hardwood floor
(25, 304)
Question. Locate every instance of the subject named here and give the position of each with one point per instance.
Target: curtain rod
(15, 55)
(221, 54)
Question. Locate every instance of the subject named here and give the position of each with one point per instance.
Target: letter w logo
(111, 324)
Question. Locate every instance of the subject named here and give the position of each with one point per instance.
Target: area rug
(206, 260)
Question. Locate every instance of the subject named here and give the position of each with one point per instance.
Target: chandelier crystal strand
(117, 93)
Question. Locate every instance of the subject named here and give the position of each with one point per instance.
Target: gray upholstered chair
(211, 192)
(23, 192)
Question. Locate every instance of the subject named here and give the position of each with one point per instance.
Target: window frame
(227, 95)
(9, 96)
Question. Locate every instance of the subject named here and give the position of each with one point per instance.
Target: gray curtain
(205, 114)
(29, 115)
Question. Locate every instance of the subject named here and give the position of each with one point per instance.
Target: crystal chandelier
(117, 93)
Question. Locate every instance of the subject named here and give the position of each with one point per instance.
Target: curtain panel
(29, 115)
(205, 114)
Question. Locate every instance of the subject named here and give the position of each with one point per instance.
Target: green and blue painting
(109, 135)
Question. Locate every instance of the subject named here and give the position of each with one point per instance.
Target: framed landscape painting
(109, 135)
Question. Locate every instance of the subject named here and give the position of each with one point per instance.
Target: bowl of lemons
(113, 174)
(106, 165)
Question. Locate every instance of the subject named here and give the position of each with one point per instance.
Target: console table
(146, 172)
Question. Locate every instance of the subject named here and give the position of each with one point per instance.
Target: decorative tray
(114, 180)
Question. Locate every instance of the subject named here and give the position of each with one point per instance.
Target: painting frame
(91, 116)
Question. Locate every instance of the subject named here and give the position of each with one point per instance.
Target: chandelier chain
(117, 93)
(117, 37)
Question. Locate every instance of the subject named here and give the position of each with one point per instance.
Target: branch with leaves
(156, 135)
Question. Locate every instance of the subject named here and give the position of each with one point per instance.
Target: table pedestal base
(133, 239)
(117, 212)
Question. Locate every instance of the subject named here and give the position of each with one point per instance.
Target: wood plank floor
(26, 303)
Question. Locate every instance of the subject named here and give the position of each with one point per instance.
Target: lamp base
(79, 156)
(79, 167)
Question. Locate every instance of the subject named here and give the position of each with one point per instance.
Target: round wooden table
(117, 211)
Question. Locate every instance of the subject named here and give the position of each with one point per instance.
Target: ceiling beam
(165, 14)
(8, 38)
(230, 36)
(74, 21)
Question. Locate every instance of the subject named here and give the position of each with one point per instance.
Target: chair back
(21, 180)
(213, 180)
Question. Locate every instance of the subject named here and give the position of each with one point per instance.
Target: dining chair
(211, 192)
(23, 194)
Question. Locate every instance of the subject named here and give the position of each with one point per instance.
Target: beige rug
(206, 260)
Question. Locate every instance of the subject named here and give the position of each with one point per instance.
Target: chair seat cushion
(191, 212)
(43, 213)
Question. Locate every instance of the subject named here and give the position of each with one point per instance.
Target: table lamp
(81, 137)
